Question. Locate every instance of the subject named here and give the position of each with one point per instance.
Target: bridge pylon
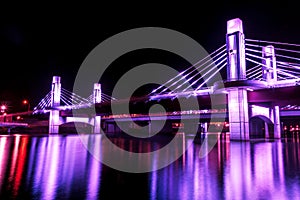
(269, 71)
(236, 71)
(237, 86)
(269, 74)
(97, 99)
(54, 118)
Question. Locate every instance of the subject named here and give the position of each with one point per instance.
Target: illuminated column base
(97, 124)
(277, 127)
(238, 114)
(54, 121)
(204, 127)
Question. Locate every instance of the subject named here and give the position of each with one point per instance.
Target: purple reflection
(94, 171)
(59, 167)
(51, 166)
(237, 178)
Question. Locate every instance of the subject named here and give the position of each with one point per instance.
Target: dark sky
(40, 41)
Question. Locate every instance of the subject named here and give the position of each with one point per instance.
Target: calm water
(60, 167)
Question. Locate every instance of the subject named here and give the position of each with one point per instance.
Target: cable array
(68, 100)
(104, 98)
(195, 77)
(287, 59)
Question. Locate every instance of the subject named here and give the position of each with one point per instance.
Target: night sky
(37, 43)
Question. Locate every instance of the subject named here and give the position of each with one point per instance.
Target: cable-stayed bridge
(261, 81)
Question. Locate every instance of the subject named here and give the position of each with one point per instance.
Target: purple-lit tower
(236, 71)
(54, 120)
(237, 86)
(269, 74)
(97, 99)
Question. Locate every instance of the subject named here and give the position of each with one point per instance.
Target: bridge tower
(97, 99)
(269, 74)
(236, 71)
(54, 119)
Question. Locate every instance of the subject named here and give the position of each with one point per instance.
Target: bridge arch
(261, 126)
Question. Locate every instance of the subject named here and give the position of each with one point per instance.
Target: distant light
(3, 107)
(25, 102)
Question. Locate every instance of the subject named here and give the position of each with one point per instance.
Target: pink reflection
(14, 161)
(14, 155)
(198, 188)
(3, 159)
(22, 155)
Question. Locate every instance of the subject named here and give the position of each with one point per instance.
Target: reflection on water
(60, 167)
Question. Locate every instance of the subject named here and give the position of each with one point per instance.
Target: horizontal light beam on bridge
(182, 94)
(13, 124)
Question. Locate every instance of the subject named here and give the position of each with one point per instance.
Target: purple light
(234, 25)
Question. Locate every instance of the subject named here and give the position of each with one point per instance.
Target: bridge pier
(238, 114)
(277, 124)
(54, 122)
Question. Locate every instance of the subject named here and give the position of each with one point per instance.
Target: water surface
(60, 167)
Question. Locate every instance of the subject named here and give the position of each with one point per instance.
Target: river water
(61, 167)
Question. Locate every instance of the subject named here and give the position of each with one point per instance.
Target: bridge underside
(263, 97)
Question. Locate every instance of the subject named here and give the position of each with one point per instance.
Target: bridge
(261, 86)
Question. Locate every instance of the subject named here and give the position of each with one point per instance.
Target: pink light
(3, 158)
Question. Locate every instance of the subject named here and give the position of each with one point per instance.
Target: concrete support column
(150, 127)
(238, 114)
(97, 124)
(97, 99)
(204, 127)
(54, 121)
(55, 101)
(277, 127)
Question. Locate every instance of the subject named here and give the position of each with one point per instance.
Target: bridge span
(260, 83)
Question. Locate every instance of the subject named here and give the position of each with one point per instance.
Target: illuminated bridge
(261, 87)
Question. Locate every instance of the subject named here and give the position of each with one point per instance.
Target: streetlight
(26, 102)
(3, 108)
